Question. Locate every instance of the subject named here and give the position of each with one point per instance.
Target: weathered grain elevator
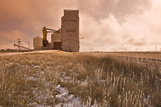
(70, 31)
(65, 39)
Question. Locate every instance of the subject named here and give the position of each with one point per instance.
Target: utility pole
(19, 42)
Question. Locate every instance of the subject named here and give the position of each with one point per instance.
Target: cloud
(100, 9)
(137, 31)
(135, 42)
(105, 24)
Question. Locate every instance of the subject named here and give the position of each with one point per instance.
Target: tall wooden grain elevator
(70, 31)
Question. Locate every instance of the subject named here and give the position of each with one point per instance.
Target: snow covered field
(56, 79)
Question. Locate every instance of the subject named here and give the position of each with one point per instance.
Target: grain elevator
(70, 31)
(67, 37)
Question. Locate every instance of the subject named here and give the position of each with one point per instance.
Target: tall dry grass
(29, 80)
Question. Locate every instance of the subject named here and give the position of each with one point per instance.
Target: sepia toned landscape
(80, 53)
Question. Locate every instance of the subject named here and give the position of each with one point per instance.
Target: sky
(106, 25)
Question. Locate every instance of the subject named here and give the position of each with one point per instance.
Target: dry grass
(149, 55)
(30, 79)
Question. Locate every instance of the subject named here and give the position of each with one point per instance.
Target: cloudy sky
(107, 25)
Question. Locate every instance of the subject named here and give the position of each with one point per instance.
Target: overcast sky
(107, 25)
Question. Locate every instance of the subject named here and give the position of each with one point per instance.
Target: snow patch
(32, 78)
(67, 100)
